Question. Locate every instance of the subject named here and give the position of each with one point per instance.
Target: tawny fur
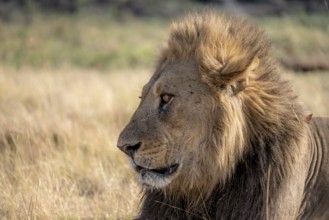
(253, 133)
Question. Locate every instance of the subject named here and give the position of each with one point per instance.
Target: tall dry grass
(312, 89)
(57, 144)
(58, 133)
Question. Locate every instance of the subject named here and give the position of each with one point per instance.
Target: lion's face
(165, 134)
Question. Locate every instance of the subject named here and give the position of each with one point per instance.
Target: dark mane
(244, 196)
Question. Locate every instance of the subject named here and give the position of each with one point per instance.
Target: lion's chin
(156, 178)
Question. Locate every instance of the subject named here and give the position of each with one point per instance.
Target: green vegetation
(103, 42)
(300, 37)
(87, 42)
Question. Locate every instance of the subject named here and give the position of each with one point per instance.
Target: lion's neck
(244, 193)
(244, 196)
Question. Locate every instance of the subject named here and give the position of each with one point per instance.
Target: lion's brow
(145, 90)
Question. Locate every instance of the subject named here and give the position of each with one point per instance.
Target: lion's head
(166, 135)
(215, 89)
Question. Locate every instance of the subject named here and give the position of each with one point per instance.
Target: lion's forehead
(178, 76)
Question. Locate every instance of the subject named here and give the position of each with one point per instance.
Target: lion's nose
(128, 149)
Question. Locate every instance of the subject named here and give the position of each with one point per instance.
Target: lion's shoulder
(317, 188)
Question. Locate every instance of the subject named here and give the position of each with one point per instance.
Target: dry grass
(58, 133)
(313, 90)
(57, 144)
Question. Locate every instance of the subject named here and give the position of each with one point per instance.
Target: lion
(219, 134)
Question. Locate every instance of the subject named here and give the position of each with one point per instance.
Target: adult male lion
(219, 135)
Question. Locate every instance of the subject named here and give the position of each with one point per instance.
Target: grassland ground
(63, 104)
(57, 144)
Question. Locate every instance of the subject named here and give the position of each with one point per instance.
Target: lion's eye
(165, 99)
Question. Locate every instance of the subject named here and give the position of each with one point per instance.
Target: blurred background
(71, 72)
(105, 34)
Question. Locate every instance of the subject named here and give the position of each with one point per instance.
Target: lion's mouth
(165, 171)
(156, 177)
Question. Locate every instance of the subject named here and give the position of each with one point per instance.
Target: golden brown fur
(218, 133)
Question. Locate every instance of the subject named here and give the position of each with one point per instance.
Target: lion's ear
(231, 77)
(237, 81)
